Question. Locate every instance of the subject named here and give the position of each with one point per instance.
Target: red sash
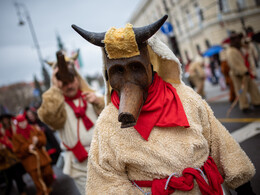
(79, 111)
(186, 181)
(162, 108)
(78, 150)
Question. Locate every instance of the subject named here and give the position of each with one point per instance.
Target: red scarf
(79, 111)
(162, 108)
(25, 132)
(186, 181)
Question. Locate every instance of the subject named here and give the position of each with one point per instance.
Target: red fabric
(79, 111)
(9, 133)
(162, 108)
(186, 181)
(78, 150)
(248, 65)
(24, 132)
(20, 118)
(27, 130)
(52, 151)
(5, 141)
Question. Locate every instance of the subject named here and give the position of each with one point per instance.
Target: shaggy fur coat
(118, 156)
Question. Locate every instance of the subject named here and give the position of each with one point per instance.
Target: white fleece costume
(56, 113)
(118, 155)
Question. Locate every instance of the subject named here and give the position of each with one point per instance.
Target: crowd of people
(234, 68)
(149, 133)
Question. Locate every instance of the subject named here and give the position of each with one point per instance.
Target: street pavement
(244, 127)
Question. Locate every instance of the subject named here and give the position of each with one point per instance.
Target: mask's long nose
(131, 101)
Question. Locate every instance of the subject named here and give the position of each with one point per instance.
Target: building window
(198, 49)
(224, 5)
(199, 12)
(207, 43)
(189, 18)
(241, 4)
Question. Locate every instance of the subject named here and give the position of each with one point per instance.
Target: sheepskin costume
(119, 156)
(59, 115)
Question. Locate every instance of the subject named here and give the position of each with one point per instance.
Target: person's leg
(8, 180)
(241, 93)
(254, 93)
(17, 175)
(38, 181)
(47, 175)
(81, 184)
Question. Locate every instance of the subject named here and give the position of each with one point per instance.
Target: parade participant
(71, 107)
(240, 74)
(10, 165)
(225, 71)
(156, 134)
(6, 120)
(52, 145)
(197, 74)
(249, 52)
(28, 145)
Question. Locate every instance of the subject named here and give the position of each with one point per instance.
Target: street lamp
(19, 7)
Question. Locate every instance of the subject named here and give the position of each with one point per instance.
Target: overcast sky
(19, 59)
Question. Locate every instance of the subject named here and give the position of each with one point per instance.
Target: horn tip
(74, 26)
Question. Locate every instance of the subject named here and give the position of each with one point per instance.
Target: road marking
(246, 132)
(239, 120)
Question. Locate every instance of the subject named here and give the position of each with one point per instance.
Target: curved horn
(94, 38)
(145, 32)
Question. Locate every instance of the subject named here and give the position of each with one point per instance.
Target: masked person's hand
(34, 140)
(31, 148)
(91, 97)
(54, 80)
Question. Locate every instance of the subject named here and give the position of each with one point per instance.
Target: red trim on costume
(80, 112)
(78, 150)
(162, 108)
(246, 60)
(186, 181)
(24, 132)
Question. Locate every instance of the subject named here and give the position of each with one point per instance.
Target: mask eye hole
(117, 69)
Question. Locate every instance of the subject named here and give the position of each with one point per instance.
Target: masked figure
(71, 107)
(10, 165)
(241, 75)
(156, 134)
(29, 146)
(197, 74)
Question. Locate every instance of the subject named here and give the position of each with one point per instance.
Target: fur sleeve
(100, 106)
(106, 173)
(233, 163)
(52, 110)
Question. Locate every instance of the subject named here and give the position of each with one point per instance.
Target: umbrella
(212, 51)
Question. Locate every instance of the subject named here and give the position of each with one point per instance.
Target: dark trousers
(15, 173)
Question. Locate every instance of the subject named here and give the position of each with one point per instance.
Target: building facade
(199, 24)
